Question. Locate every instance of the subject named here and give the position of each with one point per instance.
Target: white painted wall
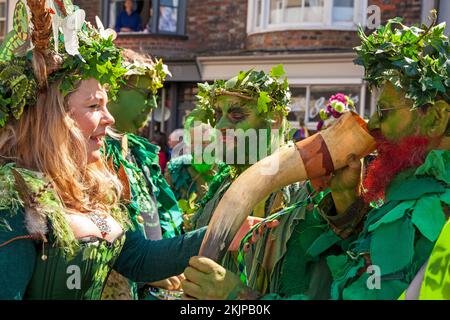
(444, 13)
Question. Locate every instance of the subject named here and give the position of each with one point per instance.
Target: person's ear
(436, 119)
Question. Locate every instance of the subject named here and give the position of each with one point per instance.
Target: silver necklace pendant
(101, 223)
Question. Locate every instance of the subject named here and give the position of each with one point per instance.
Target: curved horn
(313, 157)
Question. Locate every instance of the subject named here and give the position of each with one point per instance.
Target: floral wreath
(72, 49)
(337, 105)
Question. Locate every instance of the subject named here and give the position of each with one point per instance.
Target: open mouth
(97, 140)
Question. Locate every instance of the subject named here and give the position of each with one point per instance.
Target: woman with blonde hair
(62, 228)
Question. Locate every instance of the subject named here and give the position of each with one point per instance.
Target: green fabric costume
(147, 184)
(31, 269)
(289, 262)
(399, 236)
(153, 208)
(216, 189)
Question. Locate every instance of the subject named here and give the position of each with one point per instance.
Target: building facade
(203, 40)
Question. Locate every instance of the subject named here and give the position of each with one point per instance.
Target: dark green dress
(66, 268)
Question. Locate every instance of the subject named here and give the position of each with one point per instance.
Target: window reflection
(147, 16)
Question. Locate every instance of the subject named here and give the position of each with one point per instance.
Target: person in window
(128, 20)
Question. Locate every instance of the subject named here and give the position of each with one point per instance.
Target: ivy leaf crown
(269, 91)
(96, 57)
(415, 60)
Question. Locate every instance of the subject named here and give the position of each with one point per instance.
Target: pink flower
(340, 97)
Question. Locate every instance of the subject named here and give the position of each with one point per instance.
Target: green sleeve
(16, 258)
(143, 260)
(274, 296)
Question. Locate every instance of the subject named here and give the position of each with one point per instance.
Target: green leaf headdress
(416, 60)
(268, 90)
(72, 49)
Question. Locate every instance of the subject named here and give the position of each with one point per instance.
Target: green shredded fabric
(143, 172)
(395, 214)
(223, 172)
(397, 237)
(180, 178)
(49, 203)
(428, 216)
(392, 246)
(436, 166)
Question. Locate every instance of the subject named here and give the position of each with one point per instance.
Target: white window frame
(5, 18)
(110, 15)
(359, 17)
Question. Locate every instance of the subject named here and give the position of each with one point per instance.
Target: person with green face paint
(301, 212)
(408, 182)
(152, 205)
(402, 245)
(243, 111)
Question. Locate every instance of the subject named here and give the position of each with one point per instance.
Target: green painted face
(241, 114)
(133, 105)
(238, 113)
(397, 119)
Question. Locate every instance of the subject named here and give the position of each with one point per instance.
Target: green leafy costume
(216, 189)
(289, 262)
(184, 179)
(152, 208)
(69, 268)
(399, 236)
(150, 191)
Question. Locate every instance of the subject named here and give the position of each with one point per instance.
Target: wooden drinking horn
(316, 156)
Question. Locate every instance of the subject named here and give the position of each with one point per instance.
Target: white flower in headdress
(105, 33)
(166, 70)
(71, 25)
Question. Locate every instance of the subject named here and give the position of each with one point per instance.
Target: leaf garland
(16, 89)
(99, 58)
(415, 60)
(269, 91)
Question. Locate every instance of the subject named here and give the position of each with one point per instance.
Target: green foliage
(415, 60)
(99, 58)
(16, 90)
(268, 90)
(188, 206)
(156, 71)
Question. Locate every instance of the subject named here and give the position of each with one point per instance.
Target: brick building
(203, 40)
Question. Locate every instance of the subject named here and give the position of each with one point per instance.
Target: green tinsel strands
(223, 173)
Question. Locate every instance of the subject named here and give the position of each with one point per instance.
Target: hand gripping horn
(316, 156)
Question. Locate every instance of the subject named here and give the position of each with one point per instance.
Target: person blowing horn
(407, 185)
